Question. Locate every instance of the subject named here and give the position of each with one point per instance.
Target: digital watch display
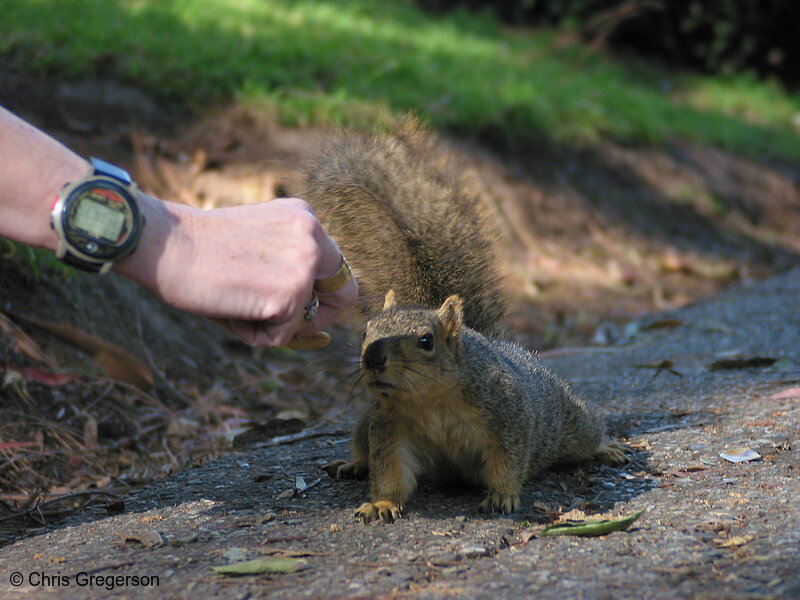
(97, 220)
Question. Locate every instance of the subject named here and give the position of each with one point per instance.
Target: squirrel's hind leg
(342, 469)
(613, 453)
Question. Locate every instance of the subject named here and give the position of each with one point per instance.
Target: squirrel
(449, 398)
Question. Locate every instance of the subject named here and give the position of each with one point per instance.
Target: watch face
(99, 219)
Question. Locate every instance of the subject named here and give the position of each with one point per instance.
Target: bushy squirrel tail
(406, 222)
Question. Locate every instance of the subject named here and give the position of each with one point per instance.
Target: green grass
(38, 262)
(360, 62)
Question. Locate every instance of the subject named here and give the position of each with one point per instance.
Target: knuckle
(297, 203)
(308, 253)
(305, 223)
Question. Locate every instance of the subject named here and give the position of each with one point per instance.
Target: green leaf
(591, 528)
(261, 565)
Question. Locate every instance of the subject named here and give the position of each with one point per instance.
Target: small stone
(474, 551)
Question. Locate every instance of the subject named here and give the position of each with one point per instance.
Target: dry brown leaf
(118, 364)
(149, 538)
(573, 515)
(734, 542)
(150, 518)
(24, 343)
(38, 375)
(15, 445)
(90, 433)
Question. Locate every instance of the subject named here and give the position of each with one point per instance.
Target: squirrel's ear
(390, 301)
(451, 314)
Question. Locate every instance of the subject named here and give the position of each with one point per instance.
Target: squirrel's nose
(374, 356)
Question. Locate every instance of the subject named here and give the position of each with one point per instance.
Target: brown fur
(406, 223)
(423, 250)
(484, 409)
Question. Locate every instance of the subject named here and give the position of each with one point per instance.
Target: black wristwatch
(97, 219)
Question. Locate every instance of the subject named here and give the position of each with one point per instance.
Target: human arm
(250, 268)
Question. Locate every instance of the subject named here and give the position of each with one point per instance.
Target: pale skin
(251, 269)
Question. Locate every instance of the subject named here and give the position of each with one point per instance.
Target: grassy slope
(359, 62)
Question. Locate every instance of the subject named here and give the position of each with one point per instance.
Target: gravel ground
(711, 528)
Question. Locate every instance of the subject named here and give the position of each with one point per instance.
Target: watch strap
(102, 167)
(84, 265)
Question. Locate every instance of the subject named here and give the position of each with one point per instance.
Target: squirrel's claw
(341, 469)
(613, 453)
(384, 510)
(497, 502)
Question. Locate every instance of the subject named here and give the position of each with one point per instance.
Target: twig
(295, 437)
(37, 508)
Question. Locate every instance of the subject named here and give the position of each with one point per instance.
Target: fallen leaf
(90, 433)
(266, 518)
(149, 538)
(742, 363)
(640, 446)
(261, 565)
(575, 514)
(591, 527)
(12, 445)
(118, 364)
(23, 342)
(183, 541)
(150, 518)
(739, 455)
(734, 542)
(39, 375)
(521, 537)
(309, 341)
(783, 364)
(675, 473)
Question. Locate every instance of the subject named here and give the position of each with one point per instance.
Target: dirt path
(711, 528)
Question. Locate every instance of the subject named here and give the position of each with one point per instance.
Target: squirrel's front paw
(341, 469)
(613, 453)
(497, 502)
(384, 510)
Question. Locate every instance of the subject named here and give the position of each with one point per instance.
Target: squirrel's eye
(426, 342)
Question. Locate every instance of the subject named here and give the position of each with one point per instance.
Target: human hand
(250, 268)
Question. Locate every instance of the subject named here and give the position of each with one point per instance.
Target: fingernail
(309, 341)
